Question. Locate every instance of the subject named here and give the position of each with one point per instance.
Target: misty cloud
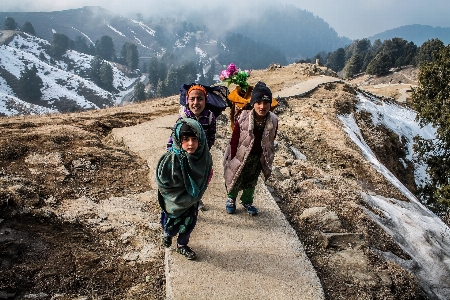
(351, 18)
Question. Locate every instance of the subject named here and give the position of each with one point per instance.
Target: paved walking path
(304, 87)
(238, 256)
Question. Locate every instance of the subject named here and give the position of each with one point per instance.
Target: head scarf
(196, 87)
(181, 177)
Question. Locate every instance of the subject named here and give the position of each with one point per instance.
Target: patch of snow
(145, 27)
(140, 43)
(402, 121)
(13, 106)
(418, 231)
(200, 53)
(85, 35)
(115, 30)
(422, 235)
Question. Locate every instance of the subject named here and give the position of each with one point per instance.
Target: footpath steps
(238, 256)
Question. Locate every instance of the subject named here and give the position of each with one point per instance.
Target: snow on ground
(145, 27)
(12, 106)
(59, 82)
(402, 121)
(85, 35)
(200, 52)
(115, 30)
(417, 230)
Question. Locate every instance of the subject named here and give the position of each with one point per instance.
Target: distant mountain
(66, 83)
(296, 32)
(92, 23)
(188, 41)
(418, 34)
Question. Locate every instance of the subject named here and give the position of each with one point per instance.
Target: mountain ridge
(416, 33)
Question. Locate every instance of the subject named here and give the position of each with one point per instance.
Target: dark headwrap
(181, 177)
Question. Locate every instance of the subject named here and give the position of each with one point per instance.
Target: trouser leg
(233, 194)
(183, 238)
(248, 195)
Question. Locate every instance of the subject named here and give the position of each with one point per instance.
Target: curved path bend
(238, 256)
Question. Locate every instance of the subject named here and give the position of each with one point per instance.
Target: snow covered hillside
(66, 84)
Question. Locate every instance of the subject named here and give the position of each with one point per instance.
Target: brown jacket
(233, 166)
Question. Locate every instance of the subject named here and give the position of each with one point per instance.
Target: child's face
(189, 144)
(196, 102)
(261, 108)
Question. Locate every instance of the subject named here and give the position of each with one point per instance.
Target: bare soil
(61, 173)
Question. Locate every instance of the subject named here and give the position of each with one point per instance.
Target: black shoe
(186, 252)
(166, 241)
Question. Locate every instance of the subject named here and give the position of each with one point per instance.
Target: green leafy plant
(233, 74)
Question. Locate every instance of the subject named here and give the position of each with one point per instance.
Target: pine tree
(94, 72)
(30, 84)
(353, 66)
(130, 55)
(105, 48)
(106, 76)
(160, 89)
(153, 72)
(42, 56)
(380, 64)
(171, 83)
(80, 44)
(431, 100)
(10, 24)
(186, 73)
(28, 28)
(139, 92)
(425, 52)
(336, 61)
(59, 45)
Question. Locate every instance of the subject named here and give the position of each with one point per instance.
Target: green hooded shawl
(181, 177)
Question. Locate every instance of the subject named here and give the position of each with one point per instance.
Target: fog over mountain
(350, 18)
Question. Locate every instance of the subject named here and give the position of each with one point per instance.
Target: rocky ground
(77, 222)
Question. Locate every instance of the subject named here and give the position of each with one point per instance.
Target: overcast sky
(355, 19)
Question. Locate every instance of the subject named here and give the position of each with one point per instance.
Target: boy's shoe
(231, 205)
(186, 252)
(166, 240)
(250, 209)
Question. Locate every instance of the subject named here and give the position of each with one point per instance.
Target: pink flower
(232, 69)
(233, 74)
(225, 74)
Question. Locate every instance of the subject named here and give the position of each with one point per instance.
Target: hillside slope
(79, 215)
(67, 84)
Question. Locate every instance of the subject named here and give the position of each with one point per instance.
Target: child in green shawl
(182, 177)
